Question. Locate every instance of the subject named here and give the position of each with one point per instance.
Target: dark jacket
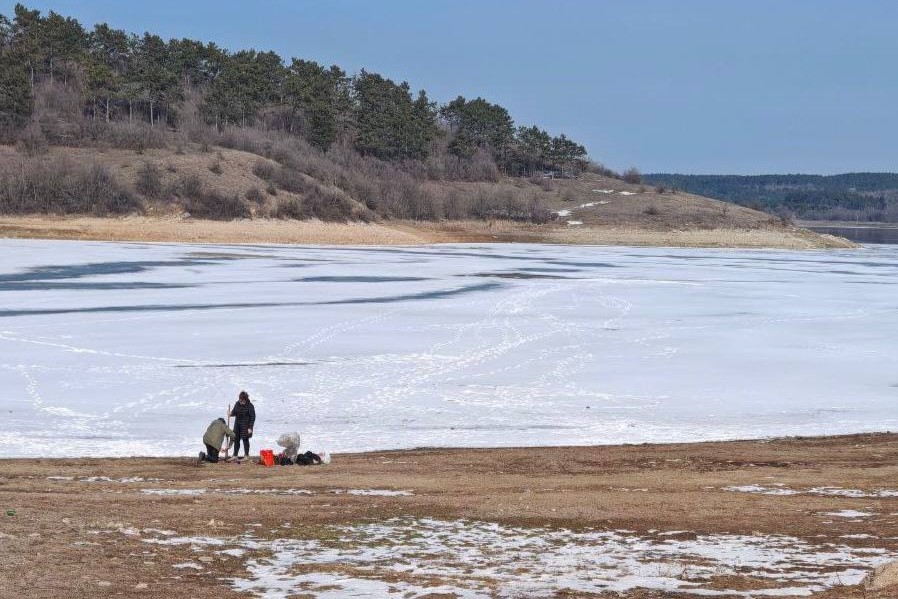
(244, 418)
(216, 433)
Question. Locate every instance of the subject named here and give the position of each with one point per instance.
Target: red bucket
(267, 457)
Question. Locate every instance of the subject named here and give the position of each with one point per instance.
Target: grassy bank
(188, 230)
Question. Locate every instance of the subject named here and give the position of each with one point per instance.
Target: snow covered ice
(132, 349)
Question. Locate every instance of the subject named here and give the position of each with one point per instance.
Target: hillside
(101, 123)
(590, 209)
(871, 197)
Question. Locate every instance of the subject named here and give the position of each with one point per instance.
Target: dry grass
(573, 487)
(174, 229)
(171, 229)
(783, 238)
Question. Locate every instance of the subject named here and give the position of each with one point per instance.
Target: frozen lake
(126, 348)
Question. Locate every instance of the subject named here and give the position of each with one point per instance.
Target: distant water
(862, 234)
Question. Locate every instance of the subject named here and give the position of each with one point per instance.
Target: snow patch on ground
(761, 490)
(820, 491)
(402, 557)
(849, 514)
(373, 492)
(574, 222)
(264, 491)
(106, 479)
(173, 491)
(627, 193)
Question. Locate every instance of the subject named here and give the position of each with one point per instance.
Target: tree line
(849, 196)
(143, 78)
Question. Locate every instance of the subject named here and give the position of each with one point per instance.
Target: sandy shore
(170, 527)
(398, 233)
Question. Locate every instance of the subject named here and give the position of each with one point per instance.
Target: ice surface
(132, 349)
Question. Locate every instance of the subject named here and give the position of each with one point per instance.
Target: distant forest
(370, 138)
(849, 197)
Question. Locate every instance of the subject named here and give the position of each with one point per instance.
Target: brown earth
(53, 545)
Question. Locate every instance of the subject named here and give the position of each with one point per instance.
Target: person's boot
(202, 456)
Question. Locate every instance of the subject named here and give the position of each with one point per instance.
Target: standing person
(244, 414)
(214, 439)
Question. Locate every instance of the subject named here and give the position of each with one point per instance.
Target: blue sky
(695, 86)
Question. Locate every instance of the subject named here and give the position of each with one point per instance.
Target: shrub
(171, 167)
(149, 180)
(215, 206)
(633, 176)
(32, 141)
(187, 186)
(660, 189)
(215, 167)
(101, 194)
(254, 194)
(43, 188)
(289, 208)
(125, 136)
(600, 169)
(326, 205)
(290, 180)
(651, 211)
(263, 169)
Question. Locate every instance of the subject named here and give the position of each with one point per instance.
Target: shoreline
(128, 526)
(400, 233)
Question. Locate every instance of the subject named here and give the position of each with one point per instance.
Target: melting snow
(480, 559)
(821, 491)
(375, 492)
(264, 491)
(849, 514)
(173, 491)
(761, 490)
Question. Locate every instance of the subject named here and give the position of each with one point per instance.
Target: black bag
(308, 459)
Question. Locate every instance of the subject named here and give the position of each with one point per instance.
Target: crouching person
(214, 439)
